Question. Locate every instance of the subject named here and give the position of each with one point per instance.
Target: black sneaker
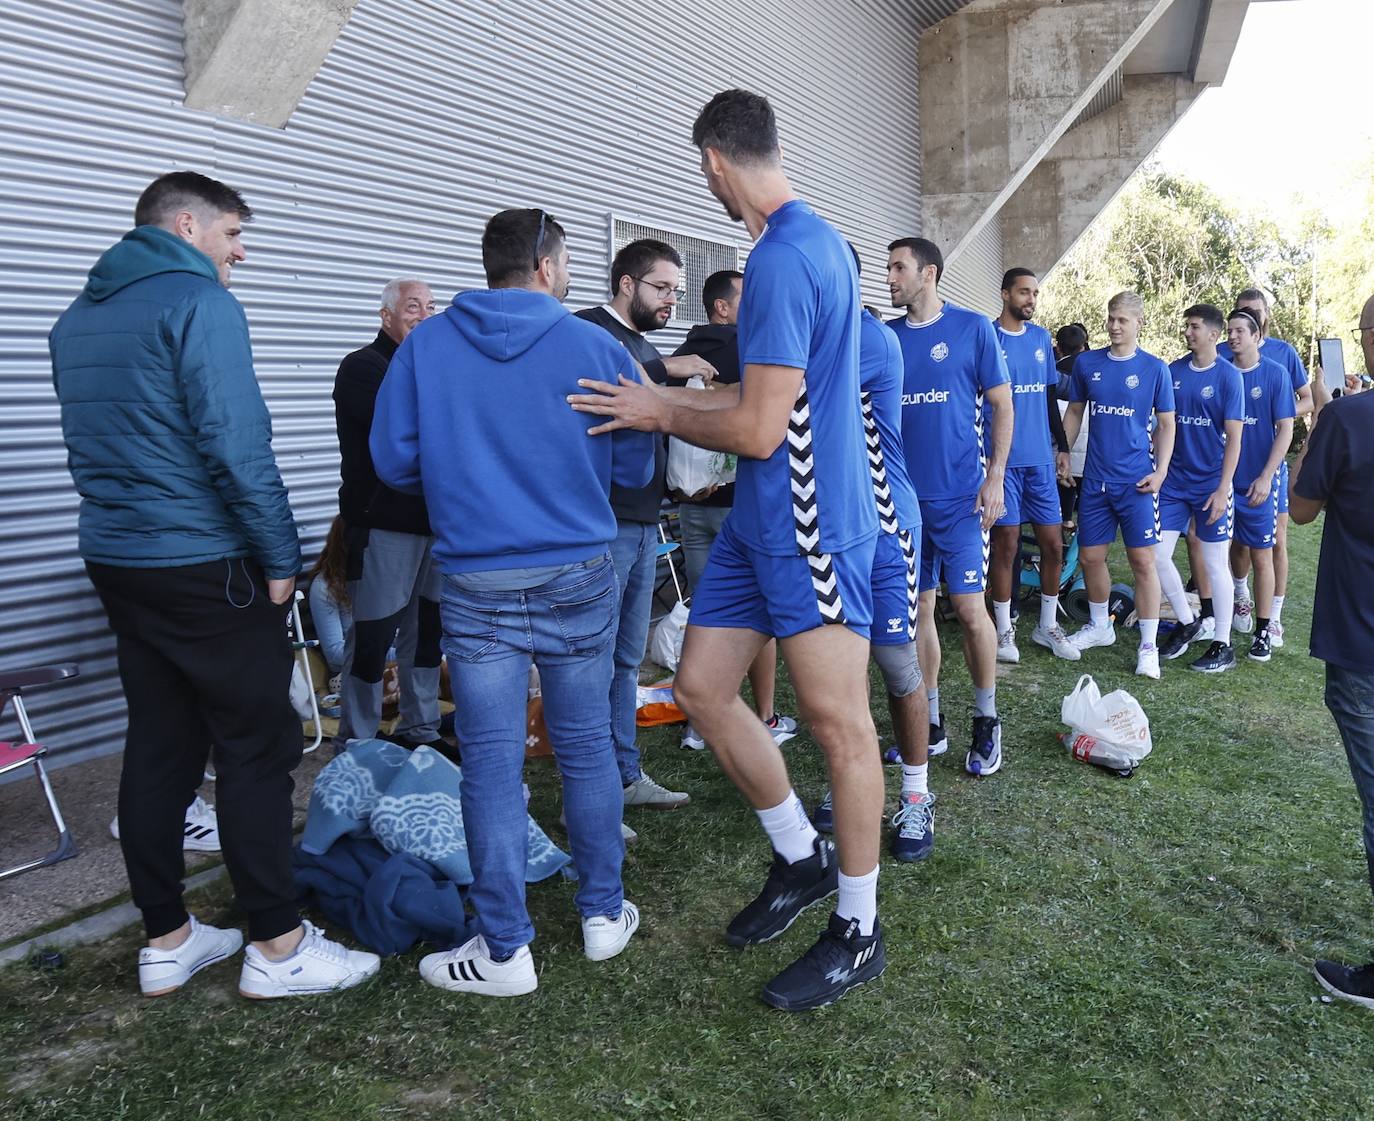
(1177, 642)
(1259, 647)
(1352, 983)
(840, 960)
(1217, 658)
(789, 890)
(939, 740)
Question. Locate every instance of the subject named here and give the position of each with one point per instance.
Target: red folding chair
(16, 755)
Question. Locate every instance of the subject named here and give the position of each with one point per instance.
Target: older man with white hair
(393, 585)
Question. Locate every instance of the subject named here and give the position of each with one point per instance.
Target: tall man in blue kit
(1031, 491)
(1277, 350)
(952, 368)
(1269, 410)
(796, 424)
(1124, 471)
(1210, 416)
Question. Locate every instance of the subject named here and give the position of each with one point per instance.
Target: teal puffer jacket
(168, 438)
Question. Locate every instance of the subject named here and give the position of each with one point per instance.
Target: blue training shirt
(880, 384)
(1276, 350)
(1268, 400)
(800, 308)
(947, 363)
(1121, 394)
(1030, 363)
(1204, 400)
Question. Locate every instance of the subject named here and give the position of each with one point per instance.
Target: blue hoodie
(168, 439)
(474, 415)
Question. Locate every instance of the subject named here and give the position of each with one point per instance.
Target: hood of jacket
(143, 252)
(705, 338)
(503, 323)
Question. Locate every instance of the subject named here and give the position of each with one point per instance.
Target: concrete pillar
(1088, 167)
(253, 59)
(1001, 81)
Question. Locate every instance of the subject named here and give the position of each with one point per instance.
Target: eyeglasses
(539, 240)
(665, 291)
(1358, 332)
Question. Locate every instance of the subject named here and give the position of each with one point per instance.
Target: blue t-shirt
(800, 308)
(1030, 363)
(880, 384)
(1276, 350)
(947, 363)
(1338, 469)
(1121, 394)
(1268, 400)
(1204, 400)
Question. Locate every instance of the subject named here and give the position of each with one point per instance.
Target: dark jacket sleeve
(1061, 442)
(233, 430)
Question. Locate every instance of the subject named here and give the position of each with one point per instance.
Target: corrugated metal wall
(426, 118)
(974, 278)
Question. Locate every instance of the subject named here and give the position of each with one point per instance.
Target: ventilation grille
(700, 258)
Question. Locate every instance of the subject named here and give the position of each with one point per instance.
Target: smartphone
(1331, 354)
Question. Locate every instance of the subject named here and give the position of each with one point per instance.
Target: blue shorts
(896, 565)
(1283, 487)
(954, 545)
(783, 596)
(1032, 495)
(1176, 508)
(1104, 506)
(1256, 525)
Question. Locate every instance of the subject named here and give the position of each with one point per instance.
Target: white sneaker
(692, 741)
(1089, 636)
(644, 791)
(1243, 621)
(1208, 631)
(471, 969)
(1057, 641)
(317, 966)
(1275, 635)
(1006, 647)
(1147, 661)
(199, 834)
(604, 937)
(164, 971)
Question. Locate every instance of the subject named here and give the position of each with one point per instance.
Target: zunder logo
(939, 352)
(1132, 381)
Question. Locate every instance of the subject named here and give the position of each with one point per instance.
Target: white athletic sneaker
(470, 969)
(781, 728)
(692, 741)
(164, 971)
(1147, 661)
(644, 791)
(1275, 635)
(1088, 636)
(1006, 647)
(1057, 641)
(201, 831)
(317, 966)
(1208, 631)
(604, 937)
(1243, 621)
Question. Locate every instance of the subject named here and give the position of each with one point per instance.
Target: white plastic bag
(1116, 719)
(300, 693)
(693, 470)
(666, 646)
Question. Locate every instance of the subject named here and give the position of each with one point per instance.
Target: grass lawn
(1079, 946)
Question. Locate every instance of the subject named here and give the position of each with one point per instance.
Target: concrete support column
(253, 59)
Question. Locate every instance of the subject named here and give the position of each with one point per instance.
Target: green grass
(1080, 946)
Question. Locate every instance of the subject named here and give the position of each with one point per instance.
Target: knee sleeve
(371, 640)
(428, 631)
(901, 668)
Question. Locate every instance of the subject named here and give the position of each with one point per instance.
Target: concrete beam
(1218, 33)
(1088, 167)
(253, 59)
(1001, 82)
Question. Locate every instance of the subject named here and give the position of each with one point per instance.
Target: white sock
(1097, 614)
(1049, 612)
(1002, 613)
(1242, 589)
(789, 829)
(1149, 631)
(914, 779)
(858, 899)
(985, 701)
(1276, 610)
(933, 696)
(1215, 557)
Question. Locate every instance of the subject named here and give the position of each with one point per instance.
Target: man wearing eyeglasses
(646, 278)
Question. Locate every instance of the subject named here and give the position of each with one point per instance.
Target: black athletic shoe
(1259, 647)
(1217, 658)
(1177, 642)
(789, 890)
(839, 961)
(939, 740)
(1352, 983)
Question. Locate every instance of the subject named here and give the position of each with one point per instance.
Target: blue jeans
(1350, 697)
(566, 626)
(634, 552)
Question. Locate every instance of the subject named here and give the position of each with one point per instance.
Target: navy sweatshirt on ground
(473, 414)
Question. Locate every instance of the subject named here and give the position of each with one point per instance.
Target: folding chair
(664, 552)
(302, 646)
(15, 755)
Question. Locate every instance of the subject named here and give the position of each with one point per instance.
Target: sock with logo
(789, 830)
(933, 696)
(985, 701)
(1277, 609)
(914, 780)
(858, 899)
(1001, 612)
(1261, 626)
(1149, 632)
(1097, 614)
(1049, 612)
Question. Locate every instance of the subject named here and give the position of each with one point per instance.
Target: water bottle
(1090, 749)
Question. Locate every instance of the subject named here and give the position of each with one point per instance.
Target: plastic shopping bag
(666, 645)
(1110, 731)
(692, 470)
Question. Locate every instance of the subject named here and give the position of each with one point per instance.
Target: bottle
(1090, 749)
